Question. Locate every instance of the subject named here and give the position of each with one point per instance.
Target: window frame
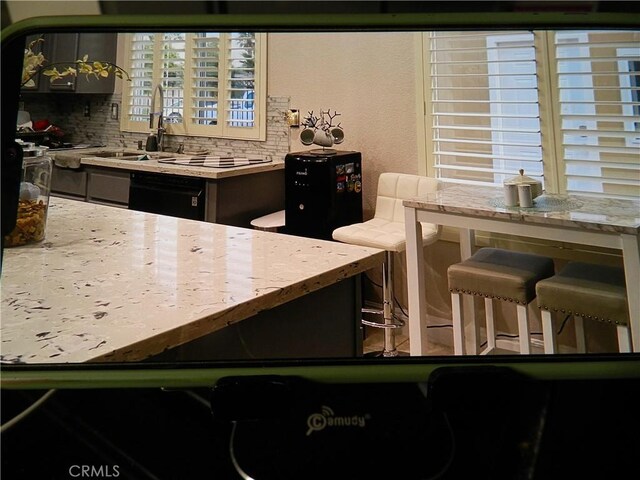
(258, 132)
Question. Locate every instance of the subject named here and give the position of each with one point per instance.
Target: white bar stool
(585, 291)
(386, 231)
(269, 223)
(499, 274)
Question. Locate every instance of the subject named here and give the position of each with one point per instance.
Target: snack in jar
(35, 188)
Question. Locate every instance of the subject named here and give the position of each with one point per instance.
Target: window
(562, 105)
(213, 83)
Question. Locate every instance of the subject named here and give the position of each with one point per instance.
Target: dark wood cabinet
(63, 49)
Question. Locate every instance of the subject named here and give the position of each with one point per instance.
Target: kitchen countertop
(587, 213)
(110, 284)
(85, 157)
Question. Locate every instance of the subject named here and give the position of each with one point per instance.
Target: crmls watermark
(326, 418)
(92, 471)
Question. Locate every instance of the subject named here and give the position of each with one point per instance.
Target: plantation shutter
(214, 84)
(483, 105)
(598, 81)
(205, 78)
(141, 53)
(157, 58)
(240, 85)
(172, 70)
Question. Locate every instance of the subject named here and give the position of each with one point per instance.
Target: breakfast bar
(110, 284)
(600, 222)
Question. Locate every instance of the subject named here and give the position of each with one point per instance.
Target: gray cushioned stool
(585, 291)
(495, 273)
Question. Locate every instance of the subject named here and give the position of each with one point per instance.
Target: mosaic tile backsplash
(68, 113)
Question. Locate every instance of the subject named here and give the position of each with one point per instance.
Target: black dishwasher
(172, 195)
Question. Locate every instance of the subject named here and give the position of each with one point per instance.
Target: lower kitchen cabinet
(238, 200)
(69, 183)
(108, 186)
(234, 200)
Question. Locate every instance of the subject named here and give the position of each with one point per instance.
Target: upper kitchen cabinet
(63, 49)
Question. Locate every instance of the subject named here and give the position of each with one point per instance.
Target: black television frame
(402, 369)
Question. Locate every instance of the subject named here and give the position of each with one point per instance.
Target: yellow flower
(33, 62)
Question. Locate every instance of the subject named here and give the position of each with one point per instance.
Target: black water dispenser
(323, 191)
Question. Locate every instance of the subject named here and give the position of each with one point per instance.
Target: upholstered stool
(386, 231)
(269, 223)
(499, 274)
(585, 291)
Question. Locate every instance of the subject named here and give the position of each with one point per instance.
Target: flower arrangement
(34, 62)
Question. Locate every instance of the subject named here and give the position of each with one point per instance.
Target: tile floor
(374, 342)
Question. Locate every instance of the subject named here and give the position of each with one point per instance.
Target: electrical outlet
(87, 109)
(114, 111)
(292, 117)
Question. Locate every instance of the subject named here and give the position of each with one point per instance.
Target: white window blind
(206, 64)
(240, 79)
(483, 104)
(598, 82)
(172, 67)
(214, 83)
(141, 53)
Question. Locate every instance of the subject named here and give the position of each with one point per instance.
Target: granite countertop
(110, 284)
(574, 211)
(77, 157)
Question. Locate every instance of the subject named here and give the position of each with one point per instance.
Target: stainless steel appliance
(172, 195)
(323, 191)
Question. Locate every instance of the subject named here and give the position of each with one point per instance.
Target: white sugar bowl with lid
(521, 190)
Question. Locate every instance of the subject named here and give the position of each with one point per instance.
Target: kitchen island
(155, 162)
(234, 195)
(111, 285)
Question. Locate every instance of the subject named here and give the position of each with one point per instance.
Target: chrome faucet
(160, 128)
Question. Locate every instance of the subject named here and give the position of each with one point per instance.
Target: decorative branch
(33, 64)
(326, 126)
(311, 121)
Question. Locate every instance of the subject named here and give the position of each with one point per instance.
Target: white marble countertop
(111, 284)
(587, 213)
(85, 157)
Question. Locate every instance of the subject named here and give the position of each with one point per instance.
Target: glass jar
(35, 187)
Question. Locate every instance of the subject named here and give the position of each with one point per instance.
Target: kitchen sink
(118, 155)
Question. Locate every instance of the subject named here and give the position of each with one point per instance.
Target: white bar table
(610, 223)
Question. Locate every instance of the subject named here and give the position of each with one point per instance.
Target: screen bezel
(409, 369)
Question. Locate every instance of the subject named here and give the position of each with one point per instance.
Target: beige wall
(369, 78)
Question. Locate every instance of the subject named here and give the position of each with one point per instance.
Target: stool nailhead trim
(479, 294)
(583, 315)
